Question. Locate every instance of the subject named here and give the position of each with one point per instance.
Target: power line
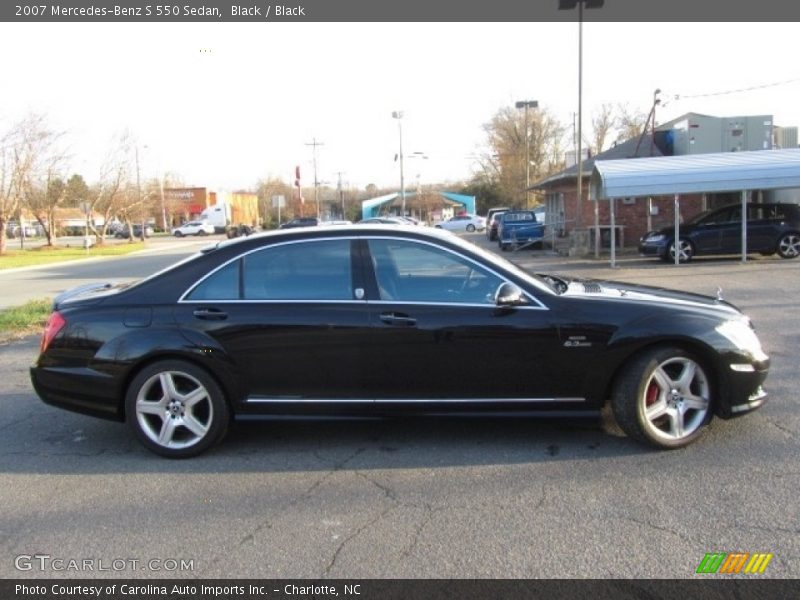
(737, 91)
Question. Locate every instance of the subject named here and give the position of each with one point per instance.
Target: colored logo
(731, 563)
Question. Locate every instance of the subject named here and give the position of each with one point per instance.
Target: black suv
(771, 228)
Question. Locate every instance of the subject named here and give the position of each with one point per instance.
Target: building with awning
(751, 175)
(391, 203)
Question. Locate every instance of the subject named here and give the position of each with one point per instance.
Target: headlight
(741, 335)
(655, 237)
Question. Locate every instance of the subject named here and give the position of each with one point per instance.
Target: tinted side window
(414, 272)
(318, 270)
(222, 285)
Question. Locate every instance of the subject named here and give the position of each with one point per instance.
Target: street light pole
(570, 5)
(398, 114)
(527, 104)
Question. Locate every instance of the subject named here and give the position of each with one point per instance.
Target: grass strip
(55, 254)
(28, 319)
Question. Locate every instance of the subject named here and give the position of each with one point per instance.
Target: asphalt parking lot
(420, 499)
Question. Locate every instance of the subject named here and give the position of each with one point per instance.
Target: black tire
(504, 247)
(470, 228)
(202, 232)
(789, 245)
(685, 251)
(178, 234)
(663, 398)
(182, 421)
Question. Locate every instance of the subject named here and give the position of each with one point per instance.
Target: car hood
(631, 292)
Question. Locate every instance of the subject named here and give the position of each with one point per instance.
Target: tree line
(35, 178)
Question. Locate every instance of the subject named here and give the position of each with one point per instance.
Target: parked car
(232, 332)
(124, 233)
(194, 228)
(301, 222)
(384, 221)
(492, 225)
(14, 230)
(463, 223)
(489, 216)
(771, 228)
(519, 228)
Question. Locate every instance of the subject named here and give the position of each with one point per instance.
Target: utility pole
(341, 195)
(527, 104)
(314, 143)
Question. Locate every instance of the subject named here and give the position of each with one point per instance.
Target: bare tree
(45, 189)
(630, 122)
(21, 150)
(268, 188)
(108, 195)
(603, 122)
(509, 144)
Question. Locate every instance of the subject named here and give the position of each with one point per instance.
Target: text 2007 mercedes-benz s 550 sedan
(378, 321)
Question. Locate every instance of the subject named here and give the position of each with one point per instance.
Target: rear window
(519, 216)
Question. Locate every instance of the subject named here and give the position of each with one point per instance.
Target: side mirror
(509, 294)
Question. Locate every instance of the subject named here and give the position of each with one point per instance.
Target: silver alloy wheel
(685, 251)
(676, 398)
(789, 245)
(470, 227)
(174, 410)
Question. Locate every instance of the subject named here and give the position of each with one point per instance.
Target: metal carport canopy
(695, 174)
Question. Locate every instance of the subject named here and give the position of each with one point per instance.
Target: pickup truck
(519, 228)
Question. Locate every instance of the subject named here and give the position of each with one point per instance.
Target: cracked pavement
(432, 498)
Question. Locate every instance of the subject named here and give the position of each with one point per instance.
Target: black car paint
(563, 350)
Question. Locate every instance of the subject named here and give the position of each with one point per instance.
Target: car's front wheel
(684, 249)
(663, 398)
(789, 245)
(176, 409)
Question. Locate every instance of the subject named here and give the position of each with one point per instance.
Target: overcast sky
(226, 104)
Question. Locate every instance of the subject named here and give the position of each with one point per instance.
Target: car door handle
(398, 319)
(210, 314)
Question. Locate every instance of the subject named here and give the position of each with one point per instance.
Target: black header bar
(334, 11)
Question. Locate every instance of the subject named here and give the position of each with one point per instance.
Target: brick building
(691, 133)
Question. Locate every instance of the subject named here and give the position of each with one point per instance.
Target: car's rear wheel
(470, 227)
(663, 398)
(789, 245)
(178, 234)
(685, 251)
(176, 409)
(202, 232)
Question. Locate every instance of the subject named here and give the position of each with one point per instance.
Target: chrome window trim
(183, 300)
(285, 400)
(502, 278)
(192, 287)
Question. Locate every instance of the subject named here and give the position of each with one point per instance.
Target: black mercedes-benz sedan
(377, 321)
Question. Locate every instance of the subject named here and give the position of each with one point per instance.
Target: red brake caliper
(652, 394)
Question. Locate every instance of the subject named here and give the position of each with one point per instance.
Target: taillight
(55, 323)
